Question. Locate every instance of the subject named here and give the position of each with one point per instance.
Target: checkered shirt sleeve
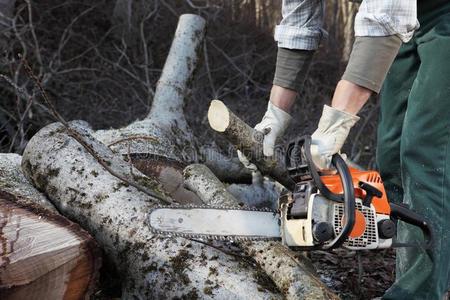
(302, 23)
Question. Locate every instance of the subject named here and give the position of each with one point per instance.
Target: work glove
(272, 125)
(328, 139)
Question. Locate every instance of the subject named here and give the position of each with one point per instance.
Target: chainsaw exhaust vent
(369, 239)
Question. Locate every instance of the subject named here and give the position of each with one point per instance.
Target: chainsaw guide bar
(232, 223)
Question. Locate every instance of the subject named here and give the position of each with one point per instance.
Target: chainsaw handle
(405, 214)
(299, 169)
(349, 201)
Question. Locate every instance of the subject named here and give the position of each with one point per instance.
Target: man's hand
(273, 125)
(274, 122)
(328, 139)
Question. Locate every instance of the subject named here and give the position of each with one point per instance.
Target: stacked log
(42, 255)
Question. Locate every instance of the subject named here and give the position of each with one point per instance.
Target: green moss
(179, 265)
(41, 181)
(120, 185)
(264, 282)
(85, 205)
(192, 295)
(208, 290)
(150, 268)
(100, 197)
(94, 173)
(53, 172)
(179, 262)
(203, 256)
(51, 190)
(213, 271)
(146, 257)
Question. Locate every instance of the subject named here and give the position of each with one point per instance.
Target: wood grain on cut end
(43, 255)
(218, 116)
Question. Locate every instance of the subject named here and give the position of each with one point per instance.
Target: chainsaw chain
(237, 238)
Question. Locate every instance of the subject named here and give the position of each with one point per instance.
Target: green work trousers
(413, 154)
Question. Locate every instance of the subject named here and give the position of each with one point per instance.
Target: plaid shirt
(302, 24)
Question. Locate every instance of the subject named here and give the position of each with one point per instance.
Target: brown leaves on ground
(356, 274)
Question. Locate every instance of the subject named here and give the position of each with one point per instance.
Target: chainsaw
(348, 209)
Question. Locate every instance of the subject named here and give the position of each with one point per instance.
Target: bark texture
(225, 168)
(13, 181)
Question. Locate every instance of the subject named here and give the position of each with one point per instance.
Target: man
(413, 152)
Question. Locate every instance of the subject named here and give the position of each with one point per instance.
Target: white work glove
(328, 139)
(273, 125)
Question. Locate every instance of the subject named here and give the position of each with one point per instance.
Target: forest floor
(356, 274)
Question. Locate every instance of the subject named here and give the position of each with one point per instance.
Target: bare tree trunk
(165, 132)
(162, 142)
(6, 15)
(348, 11)
(13, 181)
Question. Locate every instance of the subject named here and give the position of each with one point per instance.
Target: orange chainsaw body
(381, 204)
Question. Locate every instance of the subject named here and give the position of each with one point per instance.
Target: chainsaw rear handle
(300, 169)
(405, 214)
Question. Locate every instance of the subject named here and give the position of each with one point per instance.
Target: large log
(14, 182)
(293, 274)
(42, 255)
(248, 140)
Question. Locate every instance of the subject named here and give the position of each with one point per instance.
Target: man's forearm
(350, 97)
(290, 73)
(282, 97)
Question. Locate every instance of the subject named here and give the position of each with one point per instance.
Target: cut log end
(44, 255)
(218, 116)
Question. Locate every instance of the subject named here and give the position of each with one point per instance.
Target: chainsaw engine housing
(309, 219)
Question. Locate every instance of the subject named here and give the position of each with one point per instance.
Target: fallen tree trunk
(293, 276)
(248, 140)
(43, 255)
(151, 267)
